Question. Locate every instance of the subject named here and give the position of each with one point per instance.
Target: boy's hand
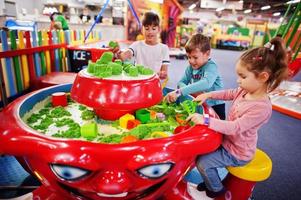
(202, 98)
(124, 55)
(196, 118)
(116, 51)
(171, 97)
(162, 74)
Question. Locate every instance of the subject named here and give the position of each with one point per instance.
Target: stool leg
(238, 189)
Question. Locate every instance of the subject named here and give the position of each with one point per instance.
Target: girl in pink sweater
(259, 71)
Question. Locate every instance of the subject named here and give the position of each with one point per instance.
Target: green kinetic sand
(76, 121)
(105, 68)
(113, 44)
(105, 58)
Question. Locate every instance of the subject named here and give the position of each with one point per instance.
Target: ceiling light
(241, 2)
(276, 14)
(247, 11)
(265, 7)
(192, 6)
(294, 1)
(220, 9)
(157, 1)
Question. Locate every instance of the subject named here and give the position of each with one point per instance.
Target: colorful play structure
(235, 38)
(34, 55)
(287, 98)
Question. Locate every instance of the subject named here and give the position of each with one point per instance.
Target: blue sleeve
(205, 83)
(185, 80)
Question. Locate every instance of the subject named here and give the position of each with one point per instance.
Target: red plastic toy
(133, 123)
(59, 99)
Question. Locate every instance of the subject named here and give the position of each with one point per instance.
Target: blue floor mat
(11, 172)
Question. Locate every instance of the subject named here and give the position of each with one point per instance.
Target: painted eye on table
(69, 173)
(155, 171)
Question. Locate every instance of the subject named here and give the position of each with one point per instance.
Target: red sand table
(72, 169)
(75, 169)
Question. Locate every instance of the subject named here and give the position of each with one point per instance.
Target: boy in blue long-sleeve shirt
(201, 75)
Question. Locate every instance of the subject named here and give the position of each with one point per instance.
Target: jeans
(207, 166)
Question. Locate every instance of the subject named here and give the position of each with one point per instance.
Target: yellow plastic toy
(123, 120)
(158, 134)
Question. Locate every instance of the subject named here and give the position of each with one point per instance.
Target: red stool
(241, 181)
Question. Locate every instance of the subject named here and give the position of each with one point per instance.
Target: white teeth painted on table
(112, 195)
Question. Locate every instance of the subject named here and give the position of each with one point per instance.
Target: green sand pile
(104, 67)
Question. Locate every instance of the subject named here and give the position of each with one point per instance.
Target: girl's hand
(202, 98)
(171, 97)
(196, 118)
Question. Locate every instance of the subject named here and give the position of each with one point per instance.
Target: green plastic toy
(89, 130)
(143, 115)
(189, 106)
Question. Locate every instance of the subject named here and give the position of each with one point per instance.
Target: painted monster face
(130, 172)
(74, 169)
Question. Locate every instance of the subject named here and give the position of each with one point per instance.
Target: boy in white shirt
(149, 52)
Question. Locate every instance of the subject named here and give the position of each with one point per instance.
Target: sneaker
(213, 194)
(201, 187)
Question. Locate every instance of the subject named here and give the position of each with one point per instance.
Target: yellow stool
(241, 180)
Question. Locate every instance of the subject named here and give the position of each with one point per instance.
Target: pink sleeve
(224, 94)
(254, 117)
